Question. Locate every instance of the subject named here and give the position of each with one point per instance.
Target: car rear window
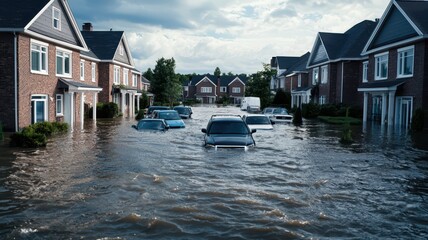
(257, 120)
(225, 127)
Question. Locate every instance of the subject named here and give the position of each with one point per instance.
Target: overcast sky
(235, 35)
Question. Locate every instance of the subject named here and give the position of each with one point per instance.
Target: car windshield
(169, 115)
(150, 125)
(280, 111)
(257, 120)
(182, 110)
(268, 110)
(225, 127)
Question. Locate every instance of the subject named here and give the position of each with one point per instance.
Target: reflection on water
(111, 181)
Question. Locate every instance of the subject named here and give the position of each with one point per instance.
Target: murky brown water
(112, 182)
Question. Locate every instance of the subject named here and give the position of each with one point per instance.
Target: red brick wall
(105, 81)
(205, 83)
(236, 84)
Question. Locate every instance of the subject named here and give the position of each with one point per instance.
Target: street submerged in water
(113, 182)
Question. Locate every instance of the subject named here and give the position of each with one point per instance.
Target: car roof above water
(226, 118)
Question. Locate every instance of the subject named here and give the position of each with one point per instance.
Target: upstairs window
(93, 68)
(236, 90)
(125, 77)
(39, 57)
(56, 18)
(365, 71)
(63, 63)
(315, 73)
(223, 89)
(381, 66)
(405, 62)
(206, 89)
(116, 79)
(324, 74)
(82, 70)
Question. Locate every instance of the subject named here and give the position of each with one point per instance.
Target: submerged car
(171, 118)
(149, 113)
(184, 112)
(258, 121)
(228, 131)
(151, 125)
(278, 115)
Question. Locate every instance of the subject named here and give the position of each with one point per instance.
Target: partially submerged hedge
(36, 134)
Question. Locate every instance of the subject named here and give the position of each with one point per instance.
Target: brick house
(40, 65)
(281, 64)
(209, 88)
(120, 80)
(334, 65)
(296, 82)
(395, 74)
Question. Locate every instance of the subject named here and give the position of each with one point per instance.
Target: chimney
(87, 27)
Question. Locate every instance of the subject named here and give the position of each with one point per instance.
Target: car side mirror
(253, 130)
(134, 126)
(204, 130)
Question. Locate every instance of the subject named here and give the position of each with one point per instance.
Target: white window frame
(121, 50)
(40, 98)
(59, 105)
(82, 70)
(401, 63)
(206, 89)
(116, 77)
(134, 80)
(93, 72)
(125, 76)
(315, 76)
(380, 60)
(63, 53)
(322, 100)
(223, 89)
(365, 71)
(56, 21)
(324, 74)
(236, 90)
(42, 51)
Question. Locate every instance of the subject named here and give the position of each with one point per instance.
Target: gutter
(15, 63)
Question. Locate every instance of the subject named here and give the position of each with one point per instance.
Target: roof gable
(103, 43)
(206, 79)
(283, 63)
(319, 53)
(18, 14)
(416, 11)
(123, 54)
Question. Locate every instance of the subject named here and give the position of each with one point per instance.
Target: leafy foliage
(217, 72)
(36, 134)
(310, 110)
(106, 110)
(165, 84)
(258, 85)
(140, 114)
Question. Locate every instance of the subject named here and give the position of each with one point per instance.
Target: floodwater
(112, 182)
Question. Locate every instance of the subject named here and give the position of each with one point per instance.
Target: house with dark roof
(209, 88)
(41, 65)
(120, 80)
(395, 74)
(335, 65)
(281, 64)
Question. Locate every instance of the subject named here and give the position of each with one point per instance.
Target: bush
(310, 110)
(418, 119)
(36, 134)
(328, 110)
(106, 110)
(140, 114)
(297, 118)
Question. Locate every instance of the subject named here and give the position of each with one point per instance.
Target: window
(236, 90)
(121, 50)
(365, 71)
(134, 80)
(39, 57)
(116, 79)
(93, 68)
(39, 108)
(59, 105)
(206, 89)
(299, 80)
(381, 68)
(125, 77)
(405, 62)
(82, 70)
(56, 18)
(322, 100)
(324, 74)
(223, 89)
(315, 72)
(63, 63)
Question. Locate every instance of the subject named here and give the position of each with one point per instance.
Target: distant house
(45, 73)
(395, 72)
(120, 80)
(281, 64)
(335, 65)
(209, 88)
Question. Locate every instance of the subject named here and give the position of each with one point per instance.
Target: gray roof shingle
(17, 14)
(103, 43)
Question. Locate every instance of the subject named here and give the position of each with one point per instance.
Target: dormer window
(56, 18)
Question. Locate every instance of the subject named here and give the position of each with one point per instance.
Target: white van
(250, 104)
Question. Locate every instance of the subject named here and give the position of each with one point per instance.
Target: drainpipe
(341, 90)
(15, 64)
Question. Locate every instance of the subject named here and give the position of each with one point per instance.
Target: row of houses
(380, 66)
(50, 70)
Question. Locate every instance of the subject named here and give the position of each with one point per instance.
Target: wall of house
(352, 76)
(7, 95)
(105, 81)
(205, 83)
(236, 84)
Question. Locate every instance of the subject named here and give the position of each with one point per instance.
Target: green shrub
(310, 110)
(346, 137)
(60, 127)
(418, 119)
(36, 134)
(297, 118)
(106, 110)
(140, 114)
(45, 128)
(328, 110)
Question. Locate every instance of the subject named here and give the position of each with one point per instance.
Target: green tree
(149, 74)
(217, 72)
(165, 84)
(258, 85)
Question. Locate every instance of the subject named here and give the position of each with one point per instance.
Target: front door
(39, 112)
(404, 109)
